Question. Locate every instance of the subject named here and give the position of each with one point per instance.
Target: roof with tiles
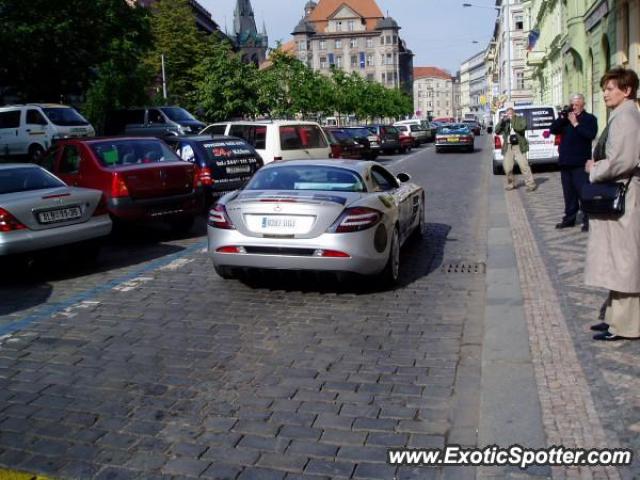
(430, 72)
(367, 9)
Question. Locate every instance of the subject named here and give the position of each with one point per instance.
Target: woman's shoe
(600, 327)
(608, 337)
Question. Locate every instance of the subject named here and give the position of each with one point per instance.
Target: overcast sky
(440, 32)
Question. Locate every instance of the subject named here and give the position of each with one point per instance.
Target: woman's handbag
(605, 198)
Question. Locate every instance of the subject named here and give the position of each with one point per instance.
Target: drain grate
(468, 268)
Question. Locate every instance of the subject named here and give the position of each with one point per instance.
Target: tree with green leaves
(176, 37)
(51, 50)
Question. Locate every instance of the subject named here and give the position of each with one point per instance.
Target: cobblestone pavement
(154, 367)
(588, 390)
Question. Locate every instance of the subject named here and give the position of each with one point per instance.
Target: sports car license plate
(241, 169)
(453, 139)
(279, 224)
(60, 215)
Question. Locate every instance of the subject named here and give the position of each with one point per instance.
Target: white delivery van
(30, 129)
(278, 139)
(543, 146)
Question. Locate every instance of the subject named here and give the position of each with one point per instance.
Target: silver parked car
(39, 211)
(319, 215)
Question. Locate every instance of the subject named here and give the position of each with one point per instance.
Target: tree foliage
(51, 49)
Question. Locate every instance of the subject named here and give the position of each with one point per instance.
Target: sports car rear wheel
(391, 272)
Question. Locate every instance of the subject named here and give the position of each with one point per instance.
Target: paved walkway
(587, 391)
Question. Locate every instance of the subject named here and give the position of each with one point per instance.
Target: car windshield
(65, 117)
(23, 179)
(178, 114)
(116, 153)
(415, 128)
(454, 128)
(359, 132)
(307, 177)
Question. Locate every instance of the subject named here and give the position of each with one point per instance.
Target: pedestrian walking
(514, 148)
(577, 130)
(613, 251)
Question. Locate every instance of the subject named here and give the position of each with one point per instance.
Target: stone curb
(510, 412)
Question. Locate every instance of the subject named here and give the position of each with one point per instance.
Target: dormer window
(351, 25)
(338, 26)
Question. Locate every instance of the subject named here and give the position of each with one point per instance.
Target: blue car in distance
(223, 163)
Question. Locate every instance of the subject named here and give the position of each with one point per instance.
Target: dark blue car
(223, 163)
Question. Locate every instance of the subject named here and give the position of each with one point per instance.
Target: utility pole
(508, 27)
(164, 78)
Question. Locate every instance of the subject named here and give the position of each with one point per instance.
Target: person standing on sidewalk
(514, 148)
(577, 130)
(613, 251)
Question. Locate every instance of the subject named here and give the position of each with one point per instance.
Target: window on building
(323, 62)
(353, 43)
(387, 40)
(302, 46)
(370, 61)
(338, 26)
(338, 43)
(381, 39)
(351, 25)
(395, 39)
(369, 42)
(339, 61)
(383, 77)
(362, 60)
(354, 61)
(520, 80)
(519, 22)
(332, 61)
(323, 44)
(389, 59)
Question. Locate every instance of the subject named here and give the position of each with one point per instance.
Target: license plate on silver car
(59, 215)
(279, 224)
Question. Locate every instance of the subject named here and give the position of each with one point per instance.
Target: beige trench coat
(613, 252)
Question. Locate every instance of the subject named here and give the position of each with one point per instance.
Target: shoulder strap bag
(607, 198)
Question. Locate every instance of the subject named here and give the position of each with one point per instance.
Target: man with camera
(577, 130)
(514, 148)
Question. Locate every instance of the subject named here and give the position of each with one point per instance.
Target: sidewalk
(588, 393)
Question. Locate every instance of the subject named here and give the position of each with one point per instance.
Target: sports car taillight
(9, 223)
(497, 142)
(356, 219)
(101, 208)
(218, 218)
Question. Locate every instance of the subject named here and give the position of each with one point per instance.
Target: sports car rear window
(307, 177)
(115, 153)
(23, 179)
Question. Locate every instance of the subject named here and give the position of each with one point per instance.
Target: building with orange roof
(433, 93)
(354, 36)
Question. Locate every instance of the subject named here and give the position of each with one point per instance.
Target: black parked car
(152, 122)
(389, 137)
(223, 163)
(368, 140)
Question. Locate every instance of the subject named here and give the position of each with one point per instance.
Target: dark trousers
(572, 181)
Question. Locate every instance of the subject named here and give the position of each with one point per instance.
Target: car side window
(70, 161)
(155, 116)
(382, 180)
(215, 130)
(34, 117)
(10, 119)
(186, 153)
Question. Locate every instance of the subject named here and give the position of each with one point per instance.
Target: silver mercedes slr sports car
(39, 211)
(318, 215)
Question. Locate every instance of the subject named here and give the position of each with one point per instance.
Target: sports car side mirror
(403, 177)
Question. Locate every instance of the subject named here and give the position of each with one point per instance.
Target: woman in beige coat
(613, 252)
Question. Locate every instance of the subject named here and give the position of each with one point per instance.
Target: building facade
(474, 85)
(251, 44)
(432, 93)
(507, 54)
(354, 36)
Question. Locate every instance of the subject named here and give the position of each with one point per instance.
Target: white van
(278, 139)
(543, 147)
(30, 129)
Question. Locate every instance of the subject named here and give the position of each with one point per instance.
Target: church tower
(249, 42)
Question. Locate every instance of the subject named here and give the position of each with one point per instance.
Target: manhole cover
(469, 268)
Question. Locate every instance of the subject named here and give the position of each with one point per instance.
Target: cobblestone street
(588, 390)
(156, 367)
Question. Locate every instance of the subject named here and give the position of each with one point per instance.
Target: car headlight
(184, 129)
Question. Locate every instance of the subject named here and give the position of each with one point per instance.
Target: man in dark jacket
(577, 129)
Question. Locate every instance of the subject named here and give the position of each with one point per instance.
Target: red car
(343, 145)
(141, 178)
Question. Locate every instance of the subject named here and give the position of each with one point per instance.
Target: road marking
(400, 160)
(57, 307)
